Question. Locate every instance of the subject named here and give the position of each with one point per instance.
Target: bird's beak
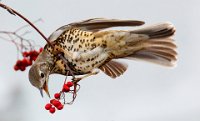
(45, 87)
(41, 92)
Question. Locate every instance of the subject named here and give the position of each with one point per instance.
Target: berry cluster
(29, 57)
(56, 103)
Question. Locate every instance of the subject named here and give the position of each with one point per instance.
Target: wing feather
(113, 68)
(97, 24)
(94, 24)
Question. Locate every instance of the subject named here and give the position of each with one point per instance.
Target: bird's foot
(74, 93)
(76, 80)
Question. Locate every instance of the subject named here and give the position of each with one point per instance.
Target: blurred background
(146, 92)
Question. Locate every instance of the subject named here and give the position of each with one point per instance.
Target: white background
(146, 92)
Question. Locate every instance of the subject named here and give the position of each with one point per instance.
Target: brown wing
(97, 24)
(114, 68)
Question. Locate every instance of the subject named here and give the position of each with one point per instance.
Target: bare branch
(13, 12)
(39, 20)
(14, 37)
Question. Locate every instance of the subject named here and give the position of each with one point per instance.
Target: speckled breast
(76, 40)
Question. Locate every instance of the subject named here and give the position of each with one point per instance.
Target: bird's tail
(154, 44)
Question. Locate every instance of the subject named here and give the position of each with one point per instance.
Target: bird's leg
(88, 54)
(93, 72)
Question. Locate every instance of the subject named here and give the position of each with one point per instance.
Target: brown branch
(14, 12)
(21, 45)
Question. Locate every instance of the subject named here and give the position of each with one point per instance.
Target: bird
(90, 46)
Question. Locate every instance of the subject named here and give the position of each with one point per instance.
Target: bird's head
(39, 76)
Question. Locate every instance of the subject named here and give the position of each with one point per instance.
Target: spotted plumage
(87, 46)
(76, 40)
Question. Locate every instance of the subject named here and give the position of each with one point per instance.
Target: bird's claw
(76, 80)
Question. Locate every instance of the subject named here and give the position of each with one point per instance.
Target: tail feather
(152, 58)
(159, 48)
(163, 42)
(157, 31)
(163, 49)
(166, 55)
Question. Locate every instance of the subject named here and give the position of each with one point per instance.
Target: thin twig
(14, 12)
(15, 36)
(28, 25)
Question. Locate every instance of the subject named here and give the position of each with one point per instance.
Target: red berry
(34, 53)
(19, 63)
(22, 68)
(56, 103)
(25, 54)
(33, 58)
(29, 62)
(65, 88)
(60, 107)
(51, 101)
(25, 62)
(30, 53)
(16, 68)
(57, 95)
(52, 110)
(48, 106)
(70, 84)
(41, 49)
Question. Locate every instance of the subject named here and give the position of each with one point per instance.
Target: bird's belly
(85, 66)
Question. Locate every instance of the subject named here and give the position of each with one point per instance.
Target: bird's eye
(42, 75)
